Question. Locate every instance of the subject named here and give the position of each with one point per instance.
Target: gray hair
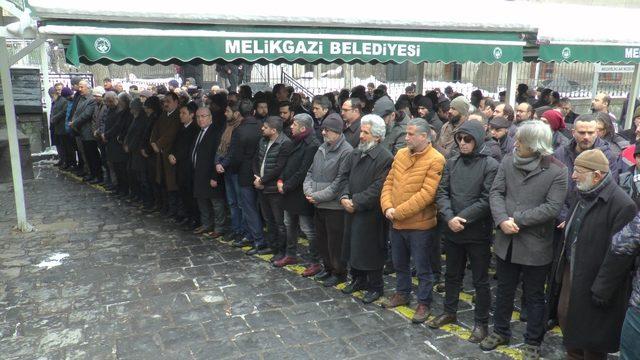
(304, 119)
(378, 127)
(85, 82)
(110, 94)
(422, 126)
(537, 136)
(323, 101)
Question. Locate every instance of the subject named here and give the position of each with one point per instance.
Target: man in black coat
(180, 157)
(463, 202)
(245, 140)
(81, 123)
(364, 242)
(273, 151)
(208, 188)
(298, 212)
(591, 308)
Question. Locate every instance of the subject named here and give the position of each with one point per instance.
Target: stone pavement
(99, 279)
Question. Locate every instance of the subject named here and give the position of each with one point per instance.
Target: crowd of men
(379, 186)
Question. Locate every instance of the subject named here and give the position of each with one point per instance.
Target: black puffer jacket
(464, 188)
(276, 158)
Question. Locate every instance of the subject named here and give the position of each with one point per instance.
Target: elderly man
(351, 112)
(81, 122)
(208, 187)
(408, 201)
(592, 305)
(463, 201)
(365, 226)
(526, 196)
(298, 212)
(458, 114)
(322, 187)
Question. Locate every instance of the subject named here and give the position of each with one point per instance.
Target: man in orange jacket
(408, 201)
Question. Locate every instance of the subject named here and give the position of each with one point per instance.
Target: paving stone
(257, 341)
(301, 334)
(266, 319)
(332, 349)
(225, 328)
(289, 353)
(193, 315)
(370, 342)
(181, 336)
(336, 328)
(219, 349)
(308, 295)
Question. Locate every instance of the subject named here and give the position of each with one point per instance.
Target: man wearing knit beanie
(458, 114)
(591, 306)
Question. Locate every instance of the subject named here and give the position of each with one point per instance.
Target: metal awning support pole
(44, 69)
(12, 135)
(420, 80)
(632, 99)
(596, 79)
(512, 74)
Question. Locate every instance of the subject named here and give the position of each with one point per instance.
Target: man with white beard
(365, 226)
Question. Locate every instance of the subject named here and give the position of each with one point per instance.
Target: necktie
(194, 155)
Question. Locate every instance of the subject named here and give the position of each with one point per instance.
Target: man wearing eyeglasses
(463, 203)
(595, 282)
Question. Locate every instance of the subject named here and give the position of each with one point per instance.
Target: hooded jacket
(465, 186)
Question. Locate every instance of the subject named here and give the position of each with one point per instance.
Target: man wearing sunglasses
(463, 202)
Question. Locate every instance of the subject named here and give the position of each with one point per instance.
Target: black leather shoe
(262, 250)
(353, 286)
(95, 181)
(371, 296)
(441, 320)
(478, 333)
(88, 178)
(322, 275)
(333, 281)
(241, 243)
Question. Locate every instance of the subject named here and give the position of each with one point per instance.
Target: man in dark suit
(245, 139)
(180, 158)
(208, 188)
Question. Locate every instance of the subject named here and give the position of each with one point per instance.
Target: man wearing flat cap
(499, 128)
(594, 291)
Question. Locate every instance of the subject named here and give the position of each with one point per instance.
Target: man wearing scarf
(526, 196)
(594, 292)
(298, 212)
(232, 185)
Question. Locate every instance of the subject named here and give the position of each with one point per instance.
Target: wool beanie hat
(425, 102)
(460, 105)
(593, 160)
(555, 120)
(334, 123)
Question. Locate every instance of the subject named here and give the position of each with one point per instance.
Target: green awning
(143, 43)
(590, 53)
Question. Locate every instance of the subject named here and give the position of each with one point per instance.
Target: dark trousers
(232, 190)
(82, 158)
(93, 158)
(479, 255)
(69, 146)
(372, 279)
(188, 207)
(329, 231)
(104, 164)
(416, 244)
(120, 168)
(272, 209)
(533, 278)
(212, 214)
(59, 140)
(293, 222)
(435, 256)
